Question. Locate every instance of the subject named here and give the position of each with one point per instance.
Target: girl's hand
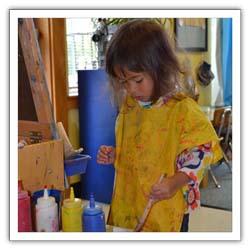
(168, 186)
(106, 155)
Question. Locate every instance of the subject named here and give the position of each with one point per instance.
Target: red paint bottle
(24, 210)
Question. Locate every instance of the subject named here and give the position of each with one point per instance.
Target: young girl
(159, 130)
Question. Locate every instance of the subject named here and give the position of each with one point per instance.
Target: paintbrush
(147, 209)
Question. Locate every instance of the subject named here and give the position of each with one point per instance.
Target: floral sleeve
(194, 162)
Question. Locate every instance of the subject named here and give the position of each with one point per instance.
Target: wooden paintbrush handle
(147, 209)
(144, 216)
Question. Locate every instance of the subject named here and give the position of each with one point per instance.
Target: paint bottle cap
(92, 208)
(72, 202)
(92, 201)
(46, 200)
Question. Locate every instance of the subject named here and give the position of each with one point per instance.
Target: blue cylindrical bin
(97, 126)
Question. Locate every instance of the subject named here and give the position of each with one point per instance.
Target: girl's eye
(139, 80)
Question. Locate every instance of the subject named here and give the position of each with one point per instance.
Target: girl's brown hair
(143, 46)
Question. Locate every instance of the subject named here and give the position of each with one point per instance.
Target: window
(82, 52)
(87, 40)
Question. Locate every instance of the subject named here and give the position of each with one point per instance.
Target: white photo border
(14, 14)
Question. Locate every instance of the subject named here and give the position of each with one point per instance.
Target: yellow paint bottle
(72, 213)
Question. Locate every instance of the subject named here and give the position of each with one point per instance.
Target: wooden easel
(35, 114)
(41, 163)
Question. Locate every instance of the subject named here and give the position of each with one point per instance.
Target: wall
(73, 127)
(74, 135)
(196, 58)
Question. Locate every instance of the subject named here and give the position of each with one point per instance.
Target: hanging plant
(119, 21)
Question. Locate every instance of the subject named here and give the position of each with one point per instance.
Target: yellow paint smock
(72, 213)
(148, 142)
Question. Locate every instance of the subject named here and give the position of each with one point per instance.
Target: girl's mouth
(139, 98)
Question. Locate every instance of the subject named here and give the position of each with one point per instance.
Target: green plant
(119, 21)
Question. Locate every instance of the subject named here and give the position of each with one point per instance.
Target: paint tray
(76, 164)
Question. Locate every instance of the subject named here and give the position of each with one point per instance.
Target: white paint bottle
(46, 213)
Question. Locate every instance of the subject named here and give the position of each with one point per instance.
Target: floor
(204, 220)
(210, 220)
(220, 198)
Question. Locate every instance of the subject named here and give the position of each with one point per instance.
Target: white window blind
(82, 52)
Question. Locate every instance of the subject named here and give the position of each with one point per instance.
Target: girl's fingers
(109, 149)
(106, 149)
(103, 155)
(156, 187)
(102, 161)
(156, 194)
(157, 197)
(159, 191)
(101, 158)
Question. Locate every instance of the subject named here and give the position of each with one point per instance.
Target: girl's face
(139, 85)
